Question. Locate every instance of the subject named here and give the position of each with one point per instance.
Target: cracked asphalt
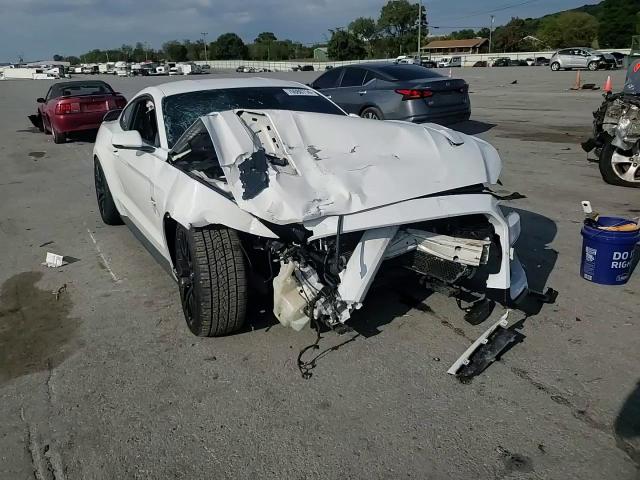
(100, 378)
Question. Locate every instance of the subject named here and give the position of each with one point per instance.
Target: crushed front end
(465, 250)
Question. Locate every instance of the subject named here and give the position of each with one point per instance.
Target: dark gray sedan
(386, 91)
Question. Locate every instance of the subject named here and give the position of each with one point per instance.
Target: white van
(405, 59)
(449, 62)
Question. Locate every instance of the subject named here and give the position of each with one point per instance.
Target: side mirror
(130, 140)
(40, 100)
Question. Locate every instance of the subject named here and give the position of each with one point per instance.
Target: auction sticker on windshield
(300, 92)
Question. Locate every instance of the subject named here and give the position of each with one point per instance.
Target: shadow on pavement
(627, 426)
(537, 257)
(472, 127)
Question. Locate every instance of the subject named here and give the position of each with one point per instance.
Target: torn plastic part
(288, 303)
(460, 250)
(465, 358)
(364, 263)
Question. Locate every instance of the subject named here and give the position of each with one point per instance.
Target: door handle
(328, 96)
(362, 92)
(116, 152)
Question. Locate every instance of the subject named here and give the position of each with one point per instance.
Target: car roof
(186, 86)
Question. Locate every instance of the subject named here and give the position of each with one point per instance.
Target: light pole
(419, 29)
(204, 40)
(491, 32)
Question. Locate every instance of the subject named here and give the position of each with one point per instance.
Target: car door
(327, 82)
(138, 169)
(351, 94)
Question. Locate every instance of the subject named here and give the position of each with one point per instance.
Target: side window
(328, 80)
(144, 121)
(564, 52)
(141, 116)
(126, 115)
(48, 97)
(353, 77)
(369, 76)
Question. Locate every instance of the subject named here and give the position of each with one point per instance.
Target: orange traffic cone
(450, 73)
(608, 85)
(578, 83)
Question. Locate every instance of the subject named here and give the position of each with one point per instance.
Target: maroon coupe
(75, 106)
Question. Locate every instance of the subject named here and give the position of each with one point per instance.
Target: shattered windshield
(182, 110)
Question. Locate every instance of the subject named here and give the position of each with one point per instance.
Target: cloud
(38, 29)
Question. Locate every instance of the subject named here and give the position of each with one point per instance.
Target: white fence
(468, 60)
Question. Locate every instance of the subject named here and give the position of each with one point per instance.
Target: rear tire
(212, 278)
(58, 137)
(106, 205)
(593, 66)
(555, 66)
(608, 171)
(372, 113)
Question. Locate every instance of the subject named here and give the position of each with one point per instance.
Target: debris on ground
(59, 291)
(484, 350)
(53, 260)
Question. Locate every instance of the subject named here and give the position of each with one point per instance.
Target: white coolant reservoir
(288, 303)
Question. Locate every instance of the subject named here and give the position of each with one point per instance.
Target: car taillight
(64, 108)
(414, 93)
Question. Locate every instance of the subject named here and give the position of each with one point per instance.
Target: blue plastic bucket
(607, 256)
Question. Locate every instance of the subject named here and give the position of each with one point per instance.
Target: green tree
(72, 60)
(175, 51)
(399, 20)
(569, 29)
(58, 58)
(618, 22)
(483, 33)
(509, 37)
(265, 37)
(345, 46)
(463, 34)
(364, 28)
(229, 46)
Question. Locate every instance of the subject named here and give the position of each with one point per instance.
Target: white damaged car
(232, 183)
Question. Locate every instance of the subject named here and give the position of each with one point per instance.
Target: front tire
(617, 169)
(212, 278)
(555, 66)
(106, 205)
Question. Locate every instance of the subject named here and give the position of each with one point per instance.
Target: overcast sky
(38, 29)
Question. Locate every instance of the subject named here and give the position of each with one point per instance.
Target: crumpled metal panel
(340, 165)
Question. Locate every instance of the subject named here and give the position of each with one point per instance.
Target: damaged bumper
(435, 237)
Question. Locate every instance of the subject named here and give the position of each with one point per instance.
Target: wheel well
(170, 226)
(364, 107)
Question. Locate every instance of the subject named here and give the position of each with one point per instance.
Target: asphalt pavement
(101, 379)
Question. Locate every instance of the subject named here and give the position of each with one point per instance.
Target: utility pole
(204, 40)
(491, 32)
(419, 30)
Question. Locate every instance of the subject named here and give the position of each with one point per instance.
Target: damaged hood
(289, 167)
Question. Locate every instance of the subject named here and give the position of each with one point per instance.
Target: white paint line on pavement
(104, 259)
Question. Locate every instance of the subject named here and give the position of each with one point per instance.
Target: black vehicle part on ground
(37, 122)
(500, 340)
(212, 278)
(106, 205)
